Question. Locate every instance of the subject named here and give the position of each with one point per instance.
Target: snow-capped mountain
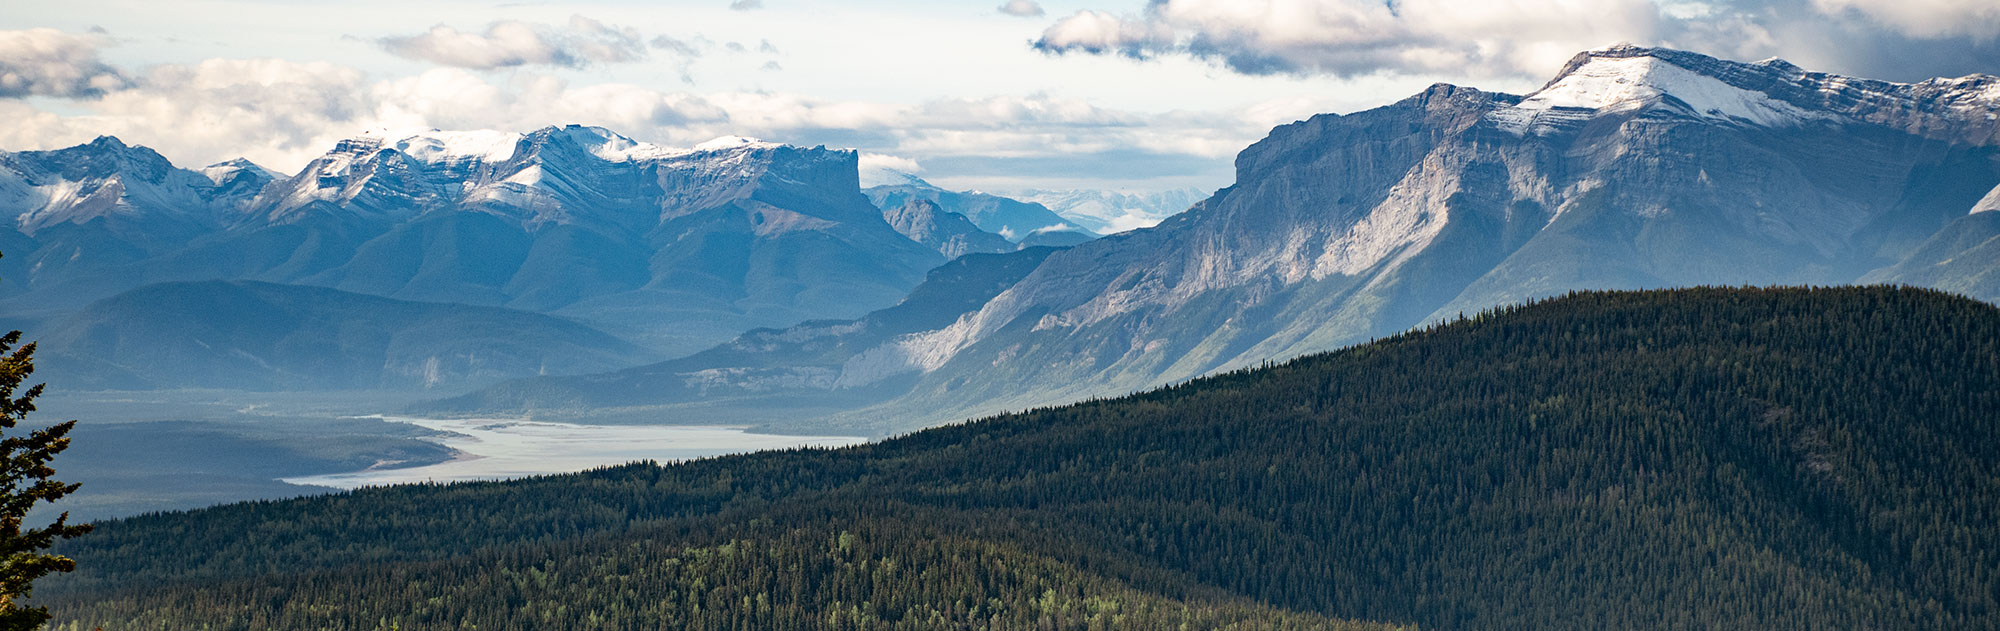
(1111, 212)
(1632, 168)
(239, 179)
(74, 217)
(677, 248)
(104, 181)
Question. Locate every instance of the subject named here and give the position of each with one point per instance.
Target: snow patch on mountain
(735, 142)
(72, 201)
(484, 145)
(221, 172)
(1974, 90)
(622, 149)
(548, 175)
(1613, 85)
(1989, 203)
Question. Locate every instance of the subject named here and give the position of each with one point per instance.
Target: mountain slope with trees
(1700, 458)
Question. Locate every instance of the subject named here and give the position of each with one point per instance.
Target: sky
(998, 95)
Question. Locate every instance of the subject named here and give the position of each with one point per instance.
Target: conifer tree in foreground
(24, 481)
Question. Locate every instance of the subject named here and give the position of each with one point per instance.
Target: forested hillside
(1686, 459)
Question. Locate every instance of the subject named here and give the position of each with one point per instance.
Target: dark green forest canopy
(1698, 458)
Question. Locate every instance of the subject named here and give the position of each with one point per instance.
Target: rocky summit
(1633, 168)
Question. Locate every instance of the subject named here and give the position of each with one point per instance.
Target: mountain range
(1632, 168)
(676, 249)
(1025, 223)
(475, 256)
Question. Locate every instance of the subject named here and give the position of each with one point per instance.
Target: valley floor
(143, 452)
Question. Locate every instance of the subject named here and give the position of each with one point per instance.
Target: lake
(497, 449)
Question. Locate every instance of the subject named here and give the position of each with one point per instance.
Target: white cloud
(1022, 8)
(1007, 112)
(283, 113)
(746, 5)
(1978, 19)
(877, 169)
(681, 47)
(48, 62)
(508, 43)
(1359, 37)
(275, 112)
(1518, 38)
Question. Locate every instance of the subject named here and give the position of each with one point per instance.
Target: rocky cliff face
(1633, 168)
(951, 234)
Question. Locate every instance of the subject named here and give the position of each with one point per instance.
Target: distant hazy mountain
(1964, 258)
(950, 233)
(1111, 212)
(676, 248)
(261, 336)
(1633, 168)
(818, 366)
(1056, 238)
(1018, 221)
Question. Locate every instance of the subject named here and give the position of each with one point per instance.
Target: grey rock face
(1635, 168)
(951, 234)
(677, 249)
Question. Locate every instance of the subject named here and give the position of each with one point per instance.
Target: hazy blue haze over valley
(1054, 314)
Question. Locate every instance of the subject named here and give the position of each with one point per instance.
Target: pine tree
(25, 479)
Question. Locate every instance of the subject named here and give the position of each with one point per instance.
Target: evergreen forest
(1707, 458)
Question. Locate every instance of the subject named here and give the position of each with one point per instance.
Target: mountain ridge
(677, 249)
(1342, 228)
